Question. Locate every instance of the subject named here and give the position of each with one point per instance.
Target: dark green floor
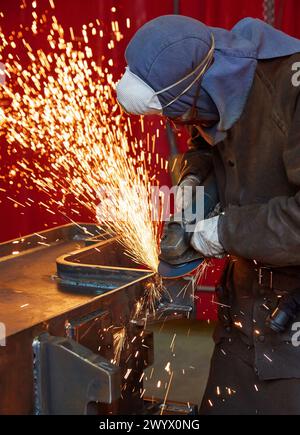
(188, 360)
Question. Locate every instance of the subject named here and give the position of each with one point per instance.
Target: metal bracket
(68, 377)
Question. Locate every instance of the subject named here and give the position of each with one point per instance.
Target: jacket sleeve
(197, 160)
(269, 233)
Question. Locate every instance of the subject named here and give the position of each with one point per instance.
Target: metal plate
(29, 290)
(32, 302)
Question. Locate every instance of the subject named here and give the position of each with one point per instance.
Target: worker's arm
(197, 161)
(268, 233)
(196, 165)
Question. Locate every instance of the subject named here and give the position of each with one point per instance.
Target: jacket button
(228, 329)
(261, 338)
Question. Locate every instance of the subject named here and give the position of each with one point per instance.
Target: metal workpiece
(76, 284)
(70, 379)
(104, 266)
(38, 241)
(28, 277)
(131, 348)
(32, 302)
(98, 268)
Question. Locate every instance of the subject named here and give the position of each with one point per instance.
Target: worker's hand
(206, 240)
(183, 197)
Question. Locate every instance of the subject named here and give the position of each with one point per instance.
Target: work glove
(206, 239)
(183, 197)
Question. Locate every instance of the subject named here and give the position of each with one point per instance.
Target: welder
(237, 93)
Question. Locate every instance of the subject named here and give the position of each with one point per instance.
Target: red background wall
(16, 221)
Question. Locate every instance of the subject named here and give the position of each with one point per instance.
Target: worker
(239, 93)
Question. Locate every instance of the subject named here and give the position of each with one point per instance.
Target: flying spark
(119, 339)
(69, 136)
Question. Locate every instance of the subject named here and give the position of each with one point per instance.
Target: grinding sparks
(2, 116)
(126, 376)
(119, 338)
(153, 292)
(64, 120)
(268, 358)
(167, 393)
(168, 368)
(173, 343)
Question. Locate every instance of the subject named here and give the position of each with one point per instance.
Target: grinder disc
(169, 271)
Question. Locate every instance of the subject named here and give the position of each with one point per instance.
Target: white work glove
(206, 240)
(183, 197)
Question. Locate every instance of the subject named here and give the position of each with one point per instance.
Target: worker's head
(167, 59)
(177, 64)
